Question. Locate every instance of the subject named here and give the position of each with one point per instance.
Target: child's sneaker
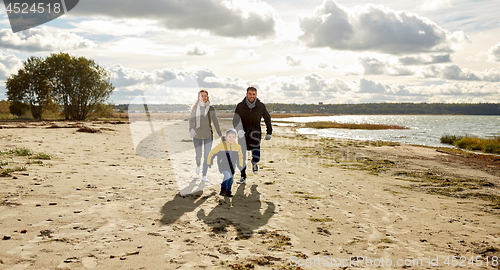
(198, 169)
(204, 179)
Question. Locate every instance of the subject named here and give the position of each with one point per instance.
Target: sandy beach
(315, 204)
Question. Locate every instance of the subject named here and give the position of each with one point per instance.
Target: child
(229, 155)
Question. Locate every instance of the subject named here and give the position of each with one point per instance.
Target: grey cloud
(425, 59)
(130, 78)
(292, 61)
(36, 40)
(313, 87)
(464, 89)
(368, 86)
(372, 66)
(208, 79)
(196, 49)
(374, 28)
(312, 82)
(494, 53)
(322, 65)
(123, 77)
(454, 72)
(257, 19)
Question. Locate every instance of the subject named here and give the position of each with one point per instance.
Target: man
(246, 120)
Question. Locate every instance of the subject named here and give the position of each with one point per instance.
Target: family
(229, 153)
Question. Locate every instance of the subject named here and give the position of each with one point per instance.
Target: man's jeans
(255, 160)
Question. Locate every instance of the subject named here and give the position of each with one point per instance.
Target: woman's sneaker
(198, 169)
(204, 179)
(242, 180)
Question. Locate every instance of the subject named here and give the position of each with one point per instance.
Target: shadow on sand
(243, 212)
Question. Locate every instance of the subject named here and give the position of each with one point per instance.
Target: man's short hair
(251, 88)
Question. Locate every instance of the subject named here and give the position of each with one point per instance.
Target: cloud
(406, 66)
(425, 59)
(129, 81)
(116, 27)
(380, 66)
(454, 72)
(292, 61)
(9, 64)
(368, 86)
(494, 53)
(435, 4)
(462, 91)
(124, 77)
(372, 66)
(374, 28)
(323, 65)
(209, 79)
(197, 49)
(249, 55)
(310, 88)
(237, 18)
(36, 40)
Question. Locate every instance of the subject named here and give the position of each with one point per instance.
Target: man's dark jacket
(250, 119)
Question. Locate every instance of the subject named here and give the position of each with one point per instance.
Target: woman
(200, 127)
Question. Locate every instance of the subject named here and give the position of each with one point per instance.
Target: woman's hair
(203, 91)
(198, 99)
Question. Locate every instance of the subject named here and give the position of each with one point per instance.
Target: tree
(79, 84)
(29, 86)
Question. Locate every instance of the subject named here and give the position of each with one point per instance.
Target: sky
(343, 51)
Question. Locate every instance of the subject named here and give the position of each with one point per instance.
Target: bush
(450, 139)
(486, 145)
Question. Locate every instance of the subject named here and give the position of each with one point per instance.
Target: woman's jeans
(207, 145)
(227, 181)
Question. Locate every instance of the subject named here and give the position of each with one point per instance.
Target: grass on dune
(485, 145)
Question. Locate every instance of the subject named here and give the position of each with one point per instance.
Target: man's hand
(193, 133)
(241, 133)
(268, 137)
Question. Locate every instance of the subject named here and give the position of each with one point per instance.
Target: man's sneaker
(255, 168)
(242, 180)
(204, 179)
(222, 192)
(228, 194)
(198, 169)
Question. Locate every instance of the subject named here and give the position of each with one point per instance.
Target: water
(423, 129)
